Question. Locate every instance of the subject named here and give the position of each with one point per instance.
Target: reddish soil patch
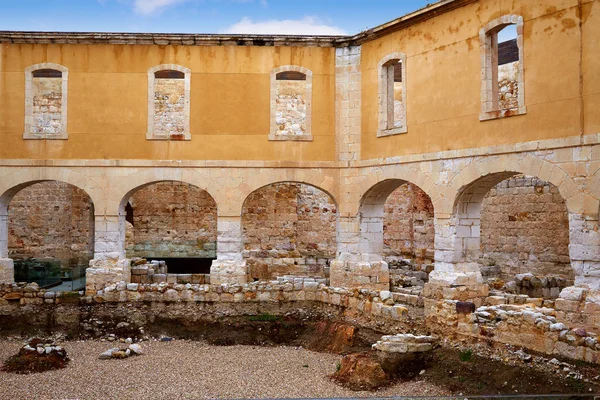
(27, 362)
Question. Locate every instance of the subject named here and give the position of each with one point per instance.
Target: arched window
(392, 95)
(46, 101)
(502, 84)
(169, 102)
(291, 99)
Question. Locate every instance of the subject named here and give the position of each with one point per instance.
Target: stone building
(416, 152)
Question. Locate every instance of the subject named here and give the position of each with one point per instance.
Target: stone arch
(6, 271)
(179, 246)
(392, 173)
(466, 225)
(289, 228)
(371, 216)
(318, 179)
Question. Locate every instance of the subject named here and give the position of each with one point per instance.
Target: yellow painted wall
(443, 78)
(107, 102)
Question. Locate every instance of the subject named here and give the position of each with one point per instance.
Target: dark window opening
(290, 76)
(398, 72)
(47, 73)
(129, 213)
(169, 74)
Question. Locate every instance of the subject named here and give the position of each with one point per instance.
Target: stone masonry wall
(47, 105)
(288, 229)
(290, 109)
(525, 228)
(172, 219)
(508, 88)
(398, 105)
(51, 220)
(408, 225)
(169, 106)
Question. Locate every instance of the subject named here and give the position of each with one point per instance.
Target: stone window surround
(489, 68)
(307, 136)
(29, 134)
(385, 79)
(187, 86)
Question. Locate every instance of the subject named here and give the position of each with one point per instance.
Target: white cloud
(146, 7)
(306, 26)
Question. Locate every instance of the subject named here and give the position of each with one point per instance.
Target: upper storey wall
(108, 102)
(443, 77)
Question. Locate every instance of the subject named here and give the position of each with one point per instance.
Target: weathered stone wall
(525, 228)
(51, 220)
(172, 219)
(288, 229)
(508, 87)
(47, 105)
(169, 106)
(398, 105)
(290, 107)
(408, 225)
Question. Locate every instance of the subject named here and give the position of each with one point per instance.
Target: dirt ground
(267, 356)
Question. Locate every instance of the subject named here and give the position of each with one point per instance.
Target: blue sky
(203, 16)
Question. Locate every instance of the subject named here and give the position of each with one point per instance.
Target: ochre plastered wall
(443, 78)
(107, 115)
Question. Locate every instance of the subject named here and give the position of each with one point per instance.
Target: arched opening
(51, 234)
(289, 229)
(397, 227)
(173, 224)
(517, 228)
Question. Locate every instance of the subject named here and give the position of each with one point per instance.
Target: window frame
(385, 72)
(273, 135)
(29, 123)
(151, 135)
(488, 37)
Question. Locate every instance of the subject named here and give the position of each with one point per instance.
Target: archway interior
(51, 234)
(397, 225)
(289, 229)
(517, 228)
(173, 222)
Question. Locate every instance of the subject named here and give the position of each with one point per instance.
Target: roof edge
(184, 39)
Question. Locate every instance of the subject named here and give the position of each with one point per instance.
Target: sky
(317, 17)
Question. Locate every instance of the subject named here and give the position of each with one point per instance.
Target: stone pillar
(354, 268)
(7, 272)
(229, 267)
(584, 251)
(454, 277)
(109, 264)
(347, 103)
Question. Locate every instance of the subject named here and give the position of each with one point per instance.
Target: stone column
(584, 251)
(7, 273)
(109, 264)
(454, 277)
(347, 102)
(355, 266)
(229, 267)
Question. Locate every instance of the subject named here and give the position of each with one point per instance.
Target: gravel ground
(190, 370)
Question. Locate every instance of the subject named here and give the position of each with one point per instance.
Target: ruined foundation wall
(172, 219)
(525, 228)
(288, 229)
(408, 225)
(51, 220)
